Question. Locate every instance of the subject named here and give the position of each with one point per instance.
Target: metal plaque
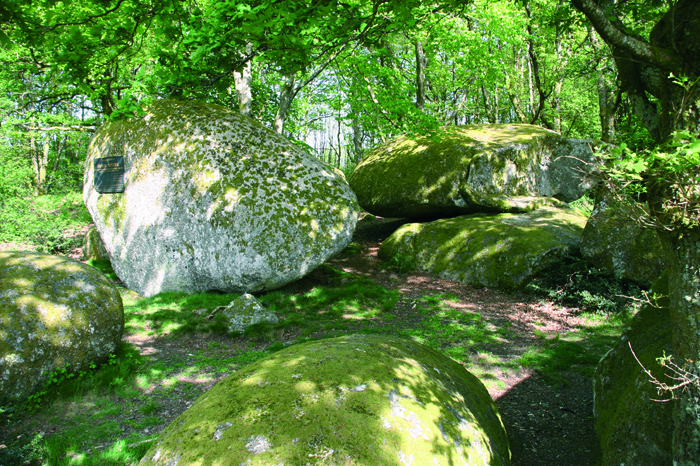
(109, 175)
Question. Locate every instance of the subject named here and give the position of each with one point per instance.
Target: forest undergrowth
(535, 350)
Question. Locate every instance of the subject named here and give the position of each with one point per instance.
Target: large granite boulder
(354, 400)
(633, 428)
(214, 201)
(615, 242)
(55, 313)
(476, 168)
(492, 250)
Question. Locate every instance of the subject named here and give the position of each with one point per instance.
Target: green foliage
(402, 263)
(104, 266)
(583, 205)
(44, 221)
(575, 283)
(672, 168)
(119, 369)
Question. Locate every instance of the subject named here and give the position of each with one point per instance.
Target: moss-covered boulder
(214, 201)
(493, 250)
(632, 428)
(55, 313)
(615, 242)
(354, 400)
(475, 168)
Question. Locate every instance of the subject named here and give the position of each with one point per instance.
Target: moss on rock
(214, 201)
(354, 400)
(625, 248)
(501, 251)
(633, 428)
(476, 168)
(54, 312)
(93, 247)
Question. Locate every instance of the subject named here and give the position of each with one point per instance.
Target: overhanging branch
(639, 49)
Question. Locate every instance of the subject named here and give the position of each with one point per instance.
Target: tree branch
(611, 34)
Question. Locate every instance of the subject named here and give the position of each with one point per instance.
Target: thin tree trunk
(539, 113)
(421, 64)
(561, 63)
(606, 102)
(243, 81)
(286, 96)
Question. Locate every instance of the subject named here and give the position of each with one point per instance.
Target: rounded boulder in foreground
(354, 400)
(214, 201)
(55, 312)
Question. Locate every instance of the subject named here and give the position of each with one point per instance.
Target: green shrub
(43, 221)
(574, 282)
(402, 263)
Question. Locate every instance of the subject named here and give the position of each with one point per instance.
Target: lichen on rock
(245, 311)
(93, 247)
(55, 313)
(354, 400)
(214, 201)
(474, 168)
(495, 250)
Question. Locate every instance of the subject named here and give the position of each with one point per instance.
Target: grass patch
(90, 409)
(326, 309)
(176, 313)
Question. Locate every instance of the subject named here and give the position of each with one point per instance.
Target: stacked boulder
(212, 200)
(505, 187)
(615, 242)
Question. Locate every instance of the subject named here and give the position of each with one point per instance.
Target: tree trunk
(538, 114)
(606, 100)
(684, 283)
(561, 64)
(242, 81)
(357, 140)
(421, 63)
(286, 96)
(644, 67)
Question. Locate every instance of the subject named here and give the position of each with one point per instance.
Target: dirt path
(548, 424)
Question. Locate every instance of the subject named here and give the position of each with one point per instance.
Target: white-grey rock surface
(245, 311)
(214, 201)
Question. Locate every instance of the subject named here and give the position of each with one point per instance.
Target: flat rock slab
(474, 168)
(55, 313)
(214, 201)
(499, 251)
(354, 400)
